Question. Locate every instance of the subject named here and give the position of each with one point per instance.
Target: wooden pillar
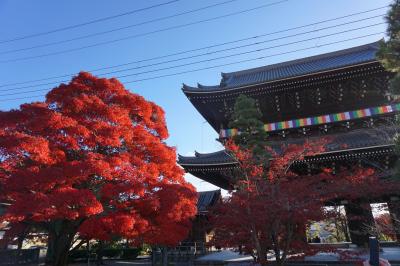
(153, 256)
(394, 210)
(164, 256)
(360, 222)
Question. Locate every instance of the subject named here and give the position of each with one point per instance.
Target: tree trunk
(261, 252)
(60, 249)
(153, 256)
(20, 241)
(99, 253)
(394, 210)
(360, 222)
(345, 230)
(61, 235)
(277, 251)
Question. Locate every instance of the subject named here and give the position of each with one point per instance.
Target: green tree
(247, 119)
(389, 53)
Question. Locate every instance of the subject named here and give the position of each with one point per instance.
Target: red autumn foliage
(92, 160)
(384, 226)
(273, 205)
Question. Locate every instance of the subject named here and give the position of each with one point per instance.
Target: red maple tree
(384, 227)
(273, 203)
(92, 160)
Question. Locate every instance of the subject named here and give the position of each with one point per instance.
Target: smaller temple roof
(292, 69)
(207, 199)
(354, 140)
(219, 157)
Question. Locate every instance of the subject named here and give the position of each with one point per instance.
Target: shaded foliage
(273, 206)
(389, 53)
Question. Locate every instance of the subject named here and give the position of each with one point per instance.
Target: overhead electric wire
(221, 65)
(208, 60)
(118, 29)
(88, 22)
(252, 59)
(144, 34)
(247, 52)
(203, 48)
(246, 45)
(212, 59)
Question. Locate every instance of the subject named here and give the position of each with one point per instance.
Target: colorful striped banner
(322, 119)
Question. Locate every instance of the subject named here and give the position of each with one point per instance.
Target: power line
(221, 65)
(211, 59)
(250, 44)
(143, 34)
(204, 48)
(88, 22)
(118, 29)
(218, 51)
(248, 52)
(252, 59)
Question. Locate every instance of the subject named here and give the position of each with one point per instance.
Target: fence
(19, 257)
(183, 253)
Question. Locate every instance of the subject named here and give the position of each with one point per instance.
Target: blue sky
(188, 130)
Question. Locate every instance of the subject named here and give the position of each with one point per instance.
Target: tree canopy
(247, 119)
(273, 206)
(92, 160)
(389, 53)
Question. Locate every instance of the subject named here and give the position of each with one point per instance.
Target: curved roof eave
(195, 90)
(303, 67)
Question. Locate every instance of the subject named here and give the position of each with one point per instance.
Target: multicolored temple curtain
(320, 120)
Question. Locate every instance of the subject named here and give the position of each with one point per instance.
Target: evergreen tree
(389, 53)
(247, 119)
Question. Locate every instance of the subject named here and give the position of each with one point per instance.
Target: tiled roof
(356, 139)
(218, 157)
(295, 68)
(207, 199)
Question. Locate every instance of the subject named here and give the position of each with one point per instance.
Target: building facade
(342, 94)
(201, 230)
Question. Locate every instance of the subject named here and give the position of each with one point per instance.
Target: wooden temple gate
(343, 95)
